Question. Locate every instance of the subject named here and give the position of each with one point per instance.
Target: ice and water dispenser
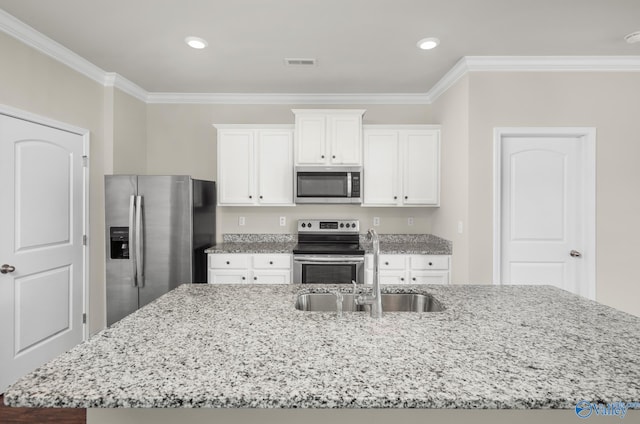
(119, 242)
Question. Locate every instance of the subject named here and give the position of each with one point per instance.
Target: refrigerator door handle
(132, 242)
(139, 242)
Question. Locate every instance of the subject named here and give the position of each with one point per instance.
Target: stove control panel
(328, 226)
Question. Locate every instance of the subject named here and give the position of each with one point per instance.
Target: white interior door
(41, 223)
(545, 211)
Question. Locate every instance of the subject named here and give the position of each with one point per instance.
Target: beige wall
(181, 139)
(607, 101)
(35, 83)
(451, 111)
(129, 134)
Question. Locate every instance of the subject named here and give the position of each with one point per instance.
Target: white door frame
(588, 136)
(42, 120)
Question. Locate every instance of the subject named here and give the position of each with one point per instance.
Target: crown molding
(112, 79)
(29, 36)
(553, 63)
(289, 98)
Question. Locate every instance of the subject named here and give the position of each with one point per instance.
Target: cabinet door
(381, 168)
(421, 168)
(275, 167)
(345, 139)
(429, 277)
(310, 139)
(235, 167)
(393, 277)
(268, 276)
(228, 276)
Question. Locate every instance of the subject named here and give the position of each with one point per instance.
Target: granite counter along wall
(284, 243)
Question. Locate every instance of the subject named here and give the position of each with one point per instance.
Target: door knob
(5, 269)
(575, 254)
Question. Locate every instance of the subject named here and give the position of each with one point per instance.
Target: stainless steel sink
(391, 302)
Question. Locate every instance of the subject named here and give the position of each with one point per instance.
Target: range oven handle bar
(324, 260)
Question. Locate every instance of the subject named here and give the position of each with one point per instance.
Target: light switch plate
(241, 221)
(410, 221)
(376, 221)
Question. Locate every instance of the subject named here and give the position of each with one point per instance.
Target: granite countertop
(419, 244)
(244, 346)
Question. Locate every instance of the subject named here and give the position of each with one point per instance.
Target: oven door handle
(321, 260)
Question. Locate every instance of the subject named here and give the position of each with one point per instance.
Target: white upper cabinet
(255, 165)
(328, 136)
(401, 165)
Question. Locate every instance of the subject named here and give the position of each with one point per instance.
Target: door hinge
(84, 239)
(84, 318)
(85, 161)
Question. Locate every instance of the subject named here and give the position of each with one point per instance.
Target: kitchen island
(246, 346)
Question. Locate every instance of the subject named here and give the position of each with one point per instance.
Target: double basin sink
(391, 302)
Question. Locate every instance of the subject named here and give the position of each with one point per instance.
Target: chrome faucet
(374, 299)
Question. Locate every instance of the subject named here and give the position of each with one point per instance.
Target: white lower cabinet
(409, 269)
(257, 268)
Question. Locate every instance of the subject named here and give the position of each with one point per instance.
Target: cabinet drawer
(228, 261)
(392, 262)
(269, 261)
(429, 262)
(429, 277)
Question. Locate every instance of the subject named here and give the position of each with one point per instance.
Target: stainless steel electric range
(328, 251)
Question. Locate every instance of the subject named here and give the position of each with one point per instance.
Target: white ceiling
(362, 46)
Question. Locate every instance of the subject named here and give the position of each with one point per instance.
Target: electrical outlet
(241, 221)
(283, 221)
(376, 221)
(410, 221)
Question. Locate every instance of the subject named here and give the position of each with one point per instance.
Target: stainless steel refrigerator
(157, 228)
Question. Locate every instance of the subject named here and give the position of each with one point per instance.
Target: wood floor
(41, 415)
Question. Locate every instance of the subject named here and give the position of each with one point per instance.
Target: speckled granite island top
(247, 346)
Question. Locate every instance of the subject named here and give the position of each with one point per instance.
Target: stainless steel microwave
(328, 184)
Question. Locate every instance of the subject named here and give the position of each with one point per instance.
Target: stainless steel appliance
(328, 184)
(328, 251)
(157, 230)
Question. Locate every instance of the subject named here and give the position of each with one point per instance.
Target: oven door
(328, 269)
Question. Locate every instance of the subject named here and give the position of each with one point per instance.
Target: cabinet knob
(386, 263)
(261, 197)
(243, 278)
(430, 263)
(228, 262)
(333, 157)
(255, 278)
(322, 157)
(406, 197)
(395, 197)
(270, 262)
(401, 278)
(414, 278)
(250, 197)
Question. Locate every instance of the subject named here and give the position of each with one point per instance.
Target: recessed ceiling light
(428, 43)
(634, 37)
(196, 42)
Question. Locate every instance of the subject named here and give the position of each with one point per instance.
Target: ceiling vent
(299, 62)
